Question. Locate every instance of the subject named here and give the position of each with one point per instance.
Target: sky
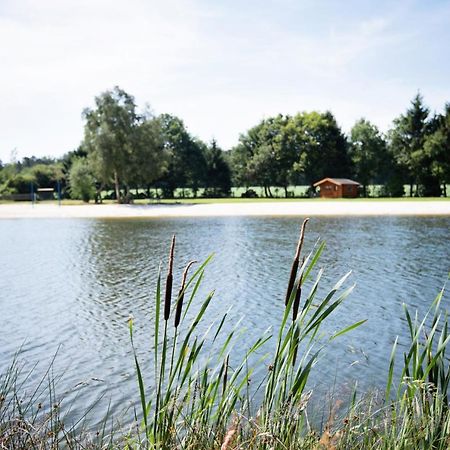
(221, 66)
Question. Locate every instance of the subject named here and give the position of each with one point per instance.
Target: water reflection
(73, 283)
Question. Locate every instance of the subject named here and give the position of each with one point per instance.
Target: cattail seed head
(298, 294)
(292, 276)
(295, 263)
(169, 282)
(301, 238)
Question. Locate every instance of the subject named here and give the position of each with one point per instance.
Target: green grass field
(297, 193)
(195, 201)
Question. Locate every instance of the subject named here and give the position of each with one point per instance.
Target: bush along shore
(199, 396)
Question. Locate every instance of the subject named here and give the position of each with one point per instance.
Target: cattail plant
(295, 263)
(198, 389)
(169, 281)
(297, 296)
(202, 397)
(225, 374)
(181, 294)
(288, 375)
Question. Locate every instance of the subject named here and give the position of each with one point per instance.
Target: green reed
(201, 386)
(32, 416)
(200, 393)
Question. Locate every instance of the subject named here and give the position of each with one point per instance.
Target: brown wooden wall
(350, 191)
(331, 190)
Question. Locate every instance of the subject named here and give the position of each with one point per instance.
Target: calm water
(68, 286)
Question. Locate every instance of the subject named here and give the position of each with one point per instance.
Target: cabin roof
(339, 181)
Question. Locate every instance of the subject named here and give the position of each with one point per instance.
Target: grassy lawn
(184, 196)
(196, 201)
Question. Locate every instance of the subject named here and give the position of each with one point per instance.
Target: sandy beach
(300, 208)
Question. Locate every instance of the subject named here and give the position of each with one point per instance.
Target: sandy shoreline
(301, 208)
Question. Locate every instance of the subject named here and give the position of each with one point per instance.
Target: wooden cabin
(337, 188)
(45, 194)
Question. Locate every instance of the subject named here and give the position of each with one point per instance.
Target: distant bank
(276, 208)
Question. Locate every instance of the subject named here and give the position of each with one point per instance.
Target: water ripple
(72, 284)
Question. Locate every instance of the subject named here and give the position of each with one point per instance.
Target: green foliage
(32, 415)
(81, 180)
(283, 150)
(218, 174)
(124, 147)
(201, 395)
(415, 413)
(20, 183)
(394, 186)
(437, 148)
(148, 161)
(425, 362)
(69, 157)
(199, 385)
(47, 175)
(131, 150)
(324, 148)
(265, 155)
(186, 161)
(368, 152)
(108, 135)
(18, 178)
(407, 144)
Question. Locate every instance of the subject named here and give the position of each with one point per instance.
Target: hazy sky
(219, 65)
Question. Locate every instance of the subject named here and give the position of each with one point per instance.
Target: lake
(69, 286)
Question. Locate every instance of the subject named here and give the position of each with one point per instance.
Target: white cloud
(219, 69)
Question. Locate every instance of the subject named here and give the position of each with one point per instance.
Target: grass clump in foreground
(201, 396)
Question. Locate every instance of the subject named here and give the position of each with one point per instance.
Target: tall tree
(218, 175)
(81, 180)
(109, 135)
(283, 149)
(323, 147)
(368, 152)
(407, 140)
(437, 149)
(265, 155)
(185, 158)
(149, 158)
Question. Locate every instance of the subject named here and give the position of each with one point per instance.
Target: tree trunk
(364, 190)
(270, 192)
(285, 192)
(411, 189)
(265, 191)
(116, 186)
(444, 191)
(148, 191)
(127, 198)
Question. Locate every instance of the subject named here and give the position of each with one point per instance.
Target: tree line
(133, 153)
